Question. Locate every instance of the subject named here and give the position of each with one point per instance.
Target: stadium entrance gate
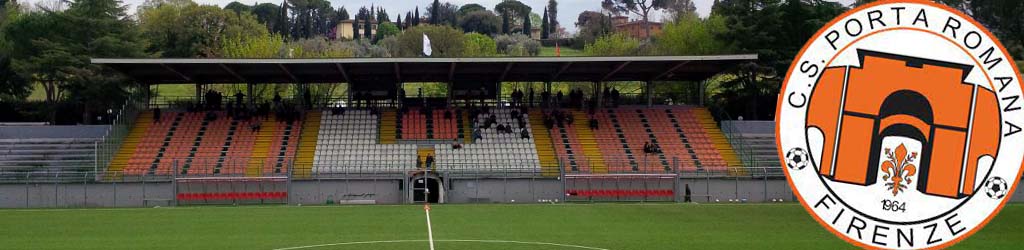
(426, 187)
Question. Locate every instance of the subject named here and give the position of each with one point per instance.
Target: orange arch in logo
(789, 73)
(921, 99)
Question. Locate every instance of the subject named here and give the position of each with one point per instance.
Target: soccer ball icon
(797, 159)
(996, 188)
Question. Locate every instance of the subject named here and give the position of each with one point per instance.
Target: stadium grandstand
(582, 145)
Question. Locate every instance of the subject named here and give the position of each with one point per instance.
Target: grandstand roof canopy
(383, 70)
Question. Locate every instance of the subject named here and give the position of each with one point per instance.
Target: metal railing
(124, 118)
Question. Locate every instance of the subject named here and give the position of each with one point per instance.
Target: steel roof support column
(649, 92)
(598, 94)
(252, 100)
(700, 90)
(199, 93)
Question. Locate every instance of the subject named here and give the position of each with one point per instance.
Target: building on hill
(635, 28)
(344, 29)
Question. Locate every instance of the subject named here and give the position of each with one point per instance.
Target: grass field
(566, 51)
(598, 226)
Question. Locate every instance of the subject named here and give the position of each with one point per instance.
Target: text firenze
(884, 234)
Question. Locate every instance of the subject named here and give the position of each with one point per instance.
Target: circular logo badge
(900, 125)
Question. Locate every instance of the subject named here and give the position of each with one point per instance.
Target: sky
(568, 10)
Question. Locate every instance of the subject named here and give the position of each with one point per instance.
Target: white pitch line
(430, 230)
(407, 241)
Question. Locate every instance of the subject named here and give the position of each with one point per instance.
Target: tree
(399, 22)
(444, 40)
(545, 26)
(680, 8)
(192, 30)
(282, 26)
(47, 47)
(775, 31)
(367, 27)
(641, 8)
(446, 14)
(517, 45)
(382, 16)
(435, 14)
(505, 24)
(269, 15)
(238, 7)
(343, 14)
(385, 30)
(355, 28)
(408, 20)
(483, 22)
(592, 25)
(552, 15)
(691, 35)
(527, 27)
(616, 44)
(416, 17)
(517, 11)
(479, 45)
(470, 8)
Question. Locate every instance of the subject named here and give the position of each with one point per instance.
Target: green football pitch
(474, 226)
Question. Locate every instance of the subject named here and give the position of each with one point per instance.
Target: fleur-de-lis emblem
(898, 169)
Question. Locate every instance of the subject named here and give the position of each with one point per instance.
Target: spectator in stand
(558, 99)
(430, 161)
(238, 98)
(448, 114)
(338, 110)
(525, 134)
(477, 135)
(156, 115)
(569, 120)
(307, 99)
(549, 122)
(647, 148)
(545, 98)
(456, 144)
(593, 123)
(501, 128)
(277, 100)
(530, 98)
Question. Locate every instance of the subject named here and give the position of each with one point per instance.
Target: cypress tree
(527, 26)
(505, 29)
(435, 13)
(416, 17)
(368, 27)
(545, 27)
(398, 22)
(355, 28)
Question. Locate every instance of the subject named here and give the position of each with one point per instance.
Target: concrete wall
(78, 195)
(393, 191)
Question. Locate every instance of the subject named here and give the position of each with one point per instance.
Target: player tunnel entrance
(426, 189)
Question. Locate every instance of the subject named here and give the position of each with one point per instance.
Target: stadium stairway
(467, 127)
(545, 149)
(388, 124)
(720, 142)
(131, 141)
(261, 149)
(589, 144)
(303, 166)
(422, 153)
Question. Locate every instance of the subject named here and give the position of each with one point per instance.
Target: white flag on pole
(426, 45)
